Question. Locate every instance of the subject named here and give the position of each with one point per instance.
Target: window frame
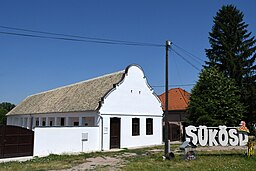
(135, 126)
(62, 121)
(37, 122)
(149, 126)
(75, 123)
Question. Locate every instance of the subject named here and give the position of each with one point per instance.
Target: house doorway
(174, 132)
(114, 132)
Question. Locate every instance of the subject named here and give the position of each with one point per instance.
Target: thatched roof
(82, 96)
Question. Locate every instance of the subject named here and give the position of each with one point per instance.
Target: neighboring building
(178, 100)
(118, 110)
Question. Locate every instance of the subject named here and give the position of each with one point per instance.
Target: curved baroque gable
(132, 96)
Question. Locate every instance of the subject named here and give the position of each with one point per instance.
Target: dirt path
(92, 163)
(108, 163)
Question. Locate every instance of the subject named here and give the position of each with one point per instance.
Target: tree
(233, 51)
(214, 100)
(5, 107)
(3, 116)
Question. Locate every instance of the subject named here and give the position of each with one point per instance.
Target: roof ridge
(183, 96)
(80, 82)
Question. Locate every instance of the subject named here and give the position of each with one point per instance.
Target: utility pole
(167, 144)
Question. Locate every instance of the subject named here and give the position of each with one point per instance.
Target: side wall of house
(132, 98)
(60, 140)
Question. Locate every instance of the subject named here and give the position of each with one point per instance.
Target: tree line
(5, 107)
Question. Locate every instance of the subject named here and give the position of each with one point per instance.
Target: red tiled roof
(178, 99)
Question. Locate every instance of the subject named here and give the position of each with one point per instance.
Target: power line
(174, 85)
(69, 37)
(192, 55)
(177, 70)
(187, 56)
(75, 37)
(185, 59)
(49, 37)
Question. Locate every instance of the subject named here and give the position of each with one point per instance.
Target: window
(135, 126)
(37, 122)
(62, 121)
(88, 121)
(76, 123)
(50, 123)
(149, 126)
(43, 123)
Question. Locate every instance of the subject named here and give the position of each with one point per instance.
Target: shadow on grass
(229, 155)
(223, 154)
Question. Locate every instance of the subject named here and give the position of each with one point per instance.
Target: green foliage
(5, 107)
(214, 100)
(233, 51)
(2, 115)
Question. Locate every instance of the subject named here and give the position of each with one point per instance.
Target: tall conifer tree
(233, 51)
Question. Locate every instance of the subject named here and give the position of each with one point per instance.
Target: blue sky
(32, 65)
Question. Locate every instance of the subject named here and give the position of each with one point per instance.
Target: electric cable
(192, 55)
(74, 37)
(185, 59)
(174, 85)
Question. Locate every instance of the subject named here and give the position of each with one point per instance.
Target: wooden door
(174, 132)
(114, 132)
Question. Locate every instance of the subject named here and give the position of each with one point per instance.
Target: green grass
(44, 163)
(144, 160)
(222, 160)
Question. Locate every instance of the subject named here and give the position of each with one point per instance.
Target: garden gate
(15, 141)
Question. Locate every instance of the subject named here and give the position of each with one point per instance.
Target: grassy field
(142, 159)
(218, 160)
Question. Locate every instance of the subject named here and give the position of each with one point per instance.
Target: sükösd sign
(213, 136)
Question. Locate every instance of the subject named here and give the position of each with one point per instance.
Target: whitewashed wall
(59, 140)
(126, 138)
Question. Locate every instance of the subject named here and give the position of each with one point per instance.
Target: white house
(118, 110)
